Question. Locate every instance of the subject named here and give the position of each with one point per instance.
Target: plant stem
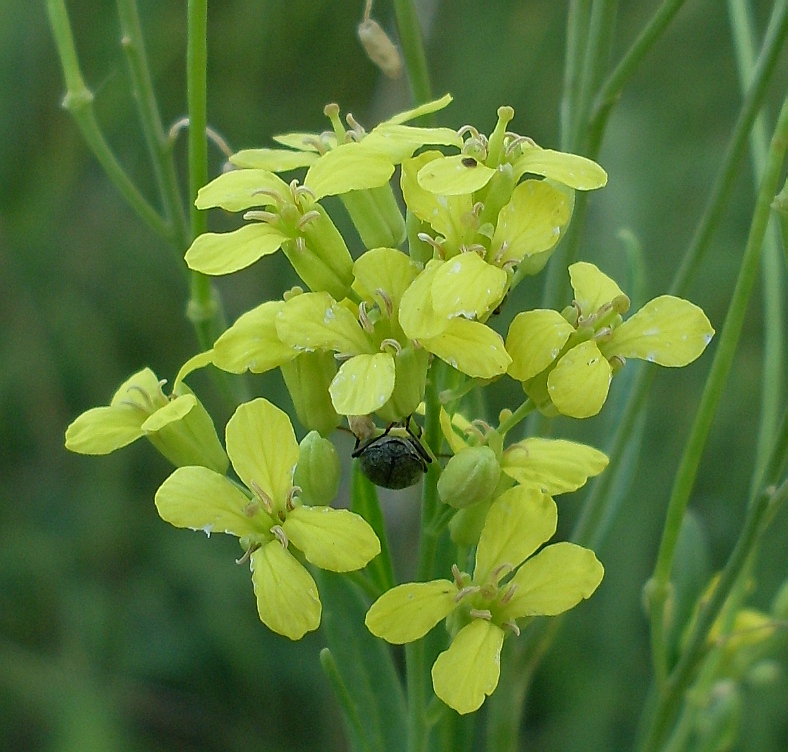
(712, 394)
(674, 687)
(772, 279)
(159, 149)
(412, 42)
(79, 103)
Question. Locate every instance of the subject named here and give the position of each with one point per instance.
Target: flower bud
(411, 378)
(307, 378)
(469, 477)
(317, 471)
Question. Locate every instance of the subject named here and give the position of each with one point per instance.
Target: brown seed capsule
(379, 48)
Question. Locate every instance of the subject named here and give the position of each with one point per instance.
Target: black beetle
(393, 460)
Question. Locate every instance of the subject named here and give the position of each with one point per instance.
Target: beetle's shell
(391, 462)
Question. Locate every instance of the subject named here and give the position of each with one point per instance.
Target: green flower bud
(469, 477)
(317, 471)
(411, 378)
(307, 378)
(466, 526)
(376, 216)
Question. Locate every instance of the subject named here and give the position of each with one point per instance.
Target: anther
(388, 303)
(513, 626)
(310, 216)
(280, 535)
(363, 318)
(481, 613)
(255, 215)
(265, 499)
(248, 554)
(292, 495)
(509, 594)
(392, 343)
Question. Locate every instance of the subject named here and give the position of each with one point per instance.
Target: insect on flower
(393, 460)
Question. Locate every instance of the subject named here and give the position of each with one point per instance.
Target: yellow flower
(269, 518)
(508, 583)
(178, 426)
(567, 360)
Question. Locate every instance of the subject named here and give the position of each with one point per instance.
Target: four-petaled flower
(567, 360)
(506, 585)
(178, 426)
(269, 518)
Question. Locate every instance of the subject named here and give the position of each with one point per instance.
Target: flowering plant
(406, 319)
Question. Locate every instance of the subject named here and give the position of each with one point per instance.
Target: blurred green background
(118, 632)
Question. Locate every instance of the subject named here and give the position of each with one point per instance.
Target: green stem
(772, 281)
(204, 309)
(712, 214)
(412, 42)
(159, 148)
(576, 39)
(773, 42)
(79, 103)
(611, 90)
(417, 675)
(712, 393)
(672, 692)
(525, 409)
(602, 24)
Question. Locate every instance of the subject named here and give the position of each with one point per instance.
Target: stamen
(455, 572)
(255, 215)
(509, 594)
(468, 129)
(265, 499)
(437, 246)
(468, 590)
(500, 571)
(271, 193)
(388, 303)
(481, 613)
(248, 554)
(305, 219)
(292, 495)
(280, 535)
(513, 626)
(355, 126)
(390, 342)
(363, 318)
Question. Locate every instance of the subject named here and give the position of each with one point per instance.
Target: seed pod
(469, 477)
(379, 48)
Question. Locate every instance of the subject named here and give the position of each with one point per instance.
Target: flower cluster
(360, 341)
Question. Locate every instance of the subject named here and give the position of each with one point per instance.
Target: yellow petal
(200, 499)
(472, 348)
(252, 343)
(535, 340)
(573, 170)
(241, 189)
(667, 330)
(579, 383)
(398, 142)
(417, 317)
(407, 612)
(287, 598)
(273, 160)
(306, 141)
(592, 288)
(349, 167)
(102, 430)
(363, 384)
(530, 223)
(334, 539)
(423, 109)
(263, 448)
(553, 465)
(315, 321)
(385, 269)
(453, 437)
(174, 411)
(553, 581)
(469, 670)
(468, 286)
(519, 521)
(454, 176)
(227, 252)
